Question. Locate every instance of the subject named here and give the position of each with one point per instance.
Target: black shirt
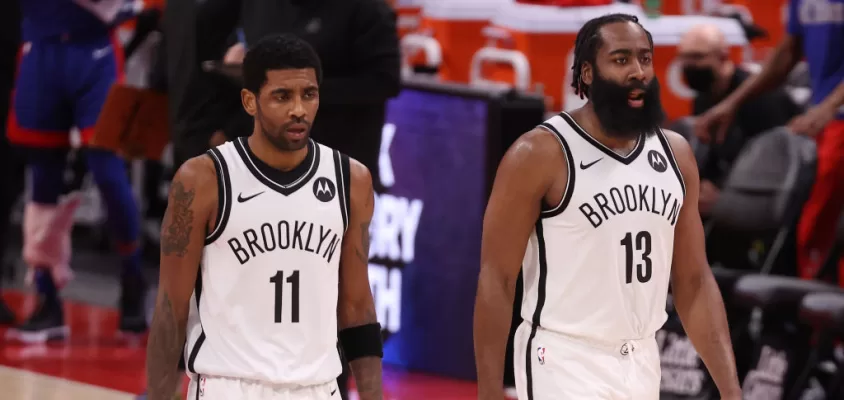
(199, 102)
(357, 42)
(760, 114)
(358, 46)
(10, 36)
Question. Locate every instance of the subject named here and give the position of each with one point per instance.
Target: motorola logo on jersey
(642, 198)
(324, 189)
(657, 161)
(285, 236)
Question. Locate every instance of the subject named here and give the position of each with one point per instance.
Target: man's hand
(697, 299)
(717, 120)
(526, 173)
(708, 196)
(235, 54)
(813, 121)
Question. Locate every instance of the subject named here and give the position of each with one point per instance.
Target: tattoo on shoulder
(177, 230)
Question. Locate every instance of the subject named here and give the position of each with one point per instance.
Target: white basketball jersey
(598, 264)
(265, 303)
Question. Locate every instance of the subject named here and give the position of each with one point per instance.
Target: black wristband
(362, 341)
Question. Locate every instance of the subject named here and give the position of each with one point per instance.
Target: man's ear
(586, 74)
(250, 101)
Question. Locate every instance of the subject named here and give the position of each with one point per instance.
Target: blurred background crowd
(428, 94)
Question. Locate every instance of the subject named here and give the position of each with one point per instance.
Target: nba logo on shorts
(201, 387)
(540, 355)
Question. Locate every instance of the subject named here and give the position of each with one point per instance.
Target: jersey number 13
(278, 282)
(644, 266)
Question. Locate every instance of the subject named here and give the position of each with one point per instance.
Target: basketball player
(264, 253)
(599, 208)
(69, 60)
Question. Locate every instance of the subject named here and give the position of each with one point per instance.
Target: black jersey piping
(197, 290)
(342, 167)
(224, 195)
(666, 146)
(296, 182)
(570, 178)
(626, 160)
(540, 303)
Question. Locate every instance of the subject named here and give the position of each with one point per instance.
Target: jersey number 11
(643, 268)
(278, 281)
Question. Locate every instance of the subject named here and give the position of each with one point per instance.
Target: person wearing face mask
(708, 70)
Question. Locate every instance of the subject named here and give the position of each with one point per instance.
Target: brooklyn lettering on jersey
(631, 199)
(285, 235)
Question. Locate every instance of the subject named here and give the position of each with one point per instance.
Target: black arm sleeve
(376, 68)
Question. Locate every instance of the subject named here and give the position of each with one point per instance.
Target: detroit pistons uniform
(262, 322)
(596, 272)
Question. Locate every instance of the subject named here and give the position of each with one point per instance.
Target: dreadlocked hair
(587, 43)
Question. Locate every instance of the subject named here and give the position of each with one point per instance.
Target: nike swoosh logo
(584, 166)
(241, 199)
(333, 391)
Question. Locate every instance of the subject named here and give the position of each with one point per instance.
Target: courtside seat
(764, 180)
(727, 279)
(764, 192)
(776, 293)
(824, 311)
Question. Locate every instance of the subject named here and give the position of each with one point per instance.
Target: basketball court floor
(96, 363)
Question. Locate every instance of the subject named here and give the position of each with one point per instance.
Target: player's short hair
(588, 42)
(277, 52)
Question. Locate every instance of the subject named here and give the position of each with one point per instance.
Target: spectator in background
(68, 64)
(357, 41)
(12, 164)
(202, 104)
(813, 32)
(708, 70)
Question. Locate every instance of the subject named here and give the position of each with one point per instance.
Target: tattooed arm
(696, 296)
(191, 205)
(355, 305)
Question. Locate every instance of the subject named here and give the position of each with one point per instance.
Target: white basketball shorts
(551, 366)
(203, 387)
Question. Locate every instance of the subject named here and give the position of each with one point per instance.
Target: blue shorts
(62, 83)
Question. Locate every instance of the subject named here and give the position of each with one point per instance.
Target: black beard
(276, 136)
(617, 118)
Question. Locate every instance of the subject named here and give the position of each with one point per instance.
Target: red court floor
(96, 355)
